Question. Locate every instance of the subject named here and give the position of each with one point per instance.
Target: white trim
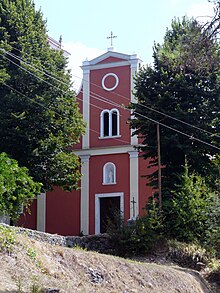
(41, 212)
(134, 186)
(123, 60)
(112, 54)
(102, 122)
(133, 70)
(84, 205)
(118, 121)
(108, 137)
(107, 65)
(110, 112)
(104, 181)
(116, 81)
(97, 206)
(86, 106)
(105, 150)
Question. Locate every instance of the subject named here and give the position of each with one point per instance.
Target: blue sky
(85, 25)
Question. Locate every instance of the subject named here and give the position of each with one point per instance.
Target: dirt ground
(34, 266)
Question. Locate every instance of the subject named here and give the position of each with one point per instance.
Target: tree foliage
(212, 26)
(17, 188)
(188, 215)
(183, 83)
(39, 116)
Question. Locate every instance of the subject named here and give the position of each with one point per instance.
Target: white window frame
(97, 207)
(110, 112)
(104, 181)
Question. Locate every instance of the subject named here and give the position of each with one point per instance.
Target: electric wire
(115, 104)
(115, 93)
(118, 105)
(176, 130)
(39, 104)
(78, 98)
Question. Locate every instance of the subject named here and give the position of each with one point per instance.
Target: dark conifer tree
(183, 83)
(39, 116)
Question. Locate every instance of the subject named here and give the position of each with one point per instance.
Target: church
(113, 171)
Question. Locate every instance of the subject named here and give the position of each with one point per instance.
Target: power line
(144, 116)
(65, 92)
(33, 101)
(118, 105)
(181, 121)
(147, 107)
(34, 67)
(176, 130)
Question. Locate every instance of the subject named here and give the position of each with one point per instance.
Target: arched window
(109, 173)
(106, 124)
(114, 122)
(109, 123)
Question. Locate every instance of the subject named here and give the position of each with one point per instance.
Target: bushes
(190, 255)
(189, 215)
(192, 215)
(212, 237)
(17, 188)
(135, 237)
(214, 271)
(7, 239)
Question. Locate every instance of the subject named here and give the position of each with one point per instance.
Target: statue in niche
(110, 176)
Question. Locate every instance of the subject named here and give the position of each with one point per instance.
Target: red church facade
(113, 173)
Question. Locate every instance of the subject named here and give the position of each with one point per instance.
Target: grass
(77, 270)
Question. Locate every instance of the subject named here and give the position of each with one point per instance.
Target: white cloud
(202, 11)
(79, 53)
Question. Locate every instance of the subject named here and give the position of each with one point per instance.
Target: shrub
(17, 188)
(214, 271)
(134, 236)
(188, 255)
(212, 238)
(7, 239)
(187, 214)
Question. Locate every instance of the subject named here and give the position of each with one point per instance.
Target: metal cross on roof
(111, 37)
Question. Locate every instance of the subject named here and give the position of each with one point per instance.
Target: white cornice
(105, 151)
(111, 54)
(105, 65)
(124, 59)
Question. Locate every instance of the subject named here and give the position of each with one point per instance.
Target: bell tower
(107, 149)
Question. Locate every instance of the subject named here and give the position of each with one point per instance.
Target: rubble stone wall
(99, 243)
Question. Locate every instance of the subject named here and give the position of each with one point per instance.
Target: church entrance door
(106, 205)
(109, 208)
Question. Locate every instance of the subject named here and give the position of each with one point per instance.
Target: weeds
(189, 255)
(18, 282)
(35, 287)
(7, 239)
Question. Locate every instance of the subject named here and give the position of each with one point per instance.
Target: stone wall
(99, 243)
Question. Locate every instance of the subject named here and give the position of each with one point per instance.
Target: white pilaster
(134, 208)
(86, 103)
(41, 212)
(84, 220)
(133, 70)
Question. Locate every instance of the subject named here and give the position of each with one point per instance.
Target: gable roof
(111, 57)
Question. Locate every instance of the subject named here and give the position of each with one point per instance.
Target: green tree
(188, 215)
(212, 26)
(183, 83)
(39, 116)
(17, 188)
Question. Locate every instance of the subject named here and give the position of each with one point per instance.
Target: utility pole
(159, 167)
